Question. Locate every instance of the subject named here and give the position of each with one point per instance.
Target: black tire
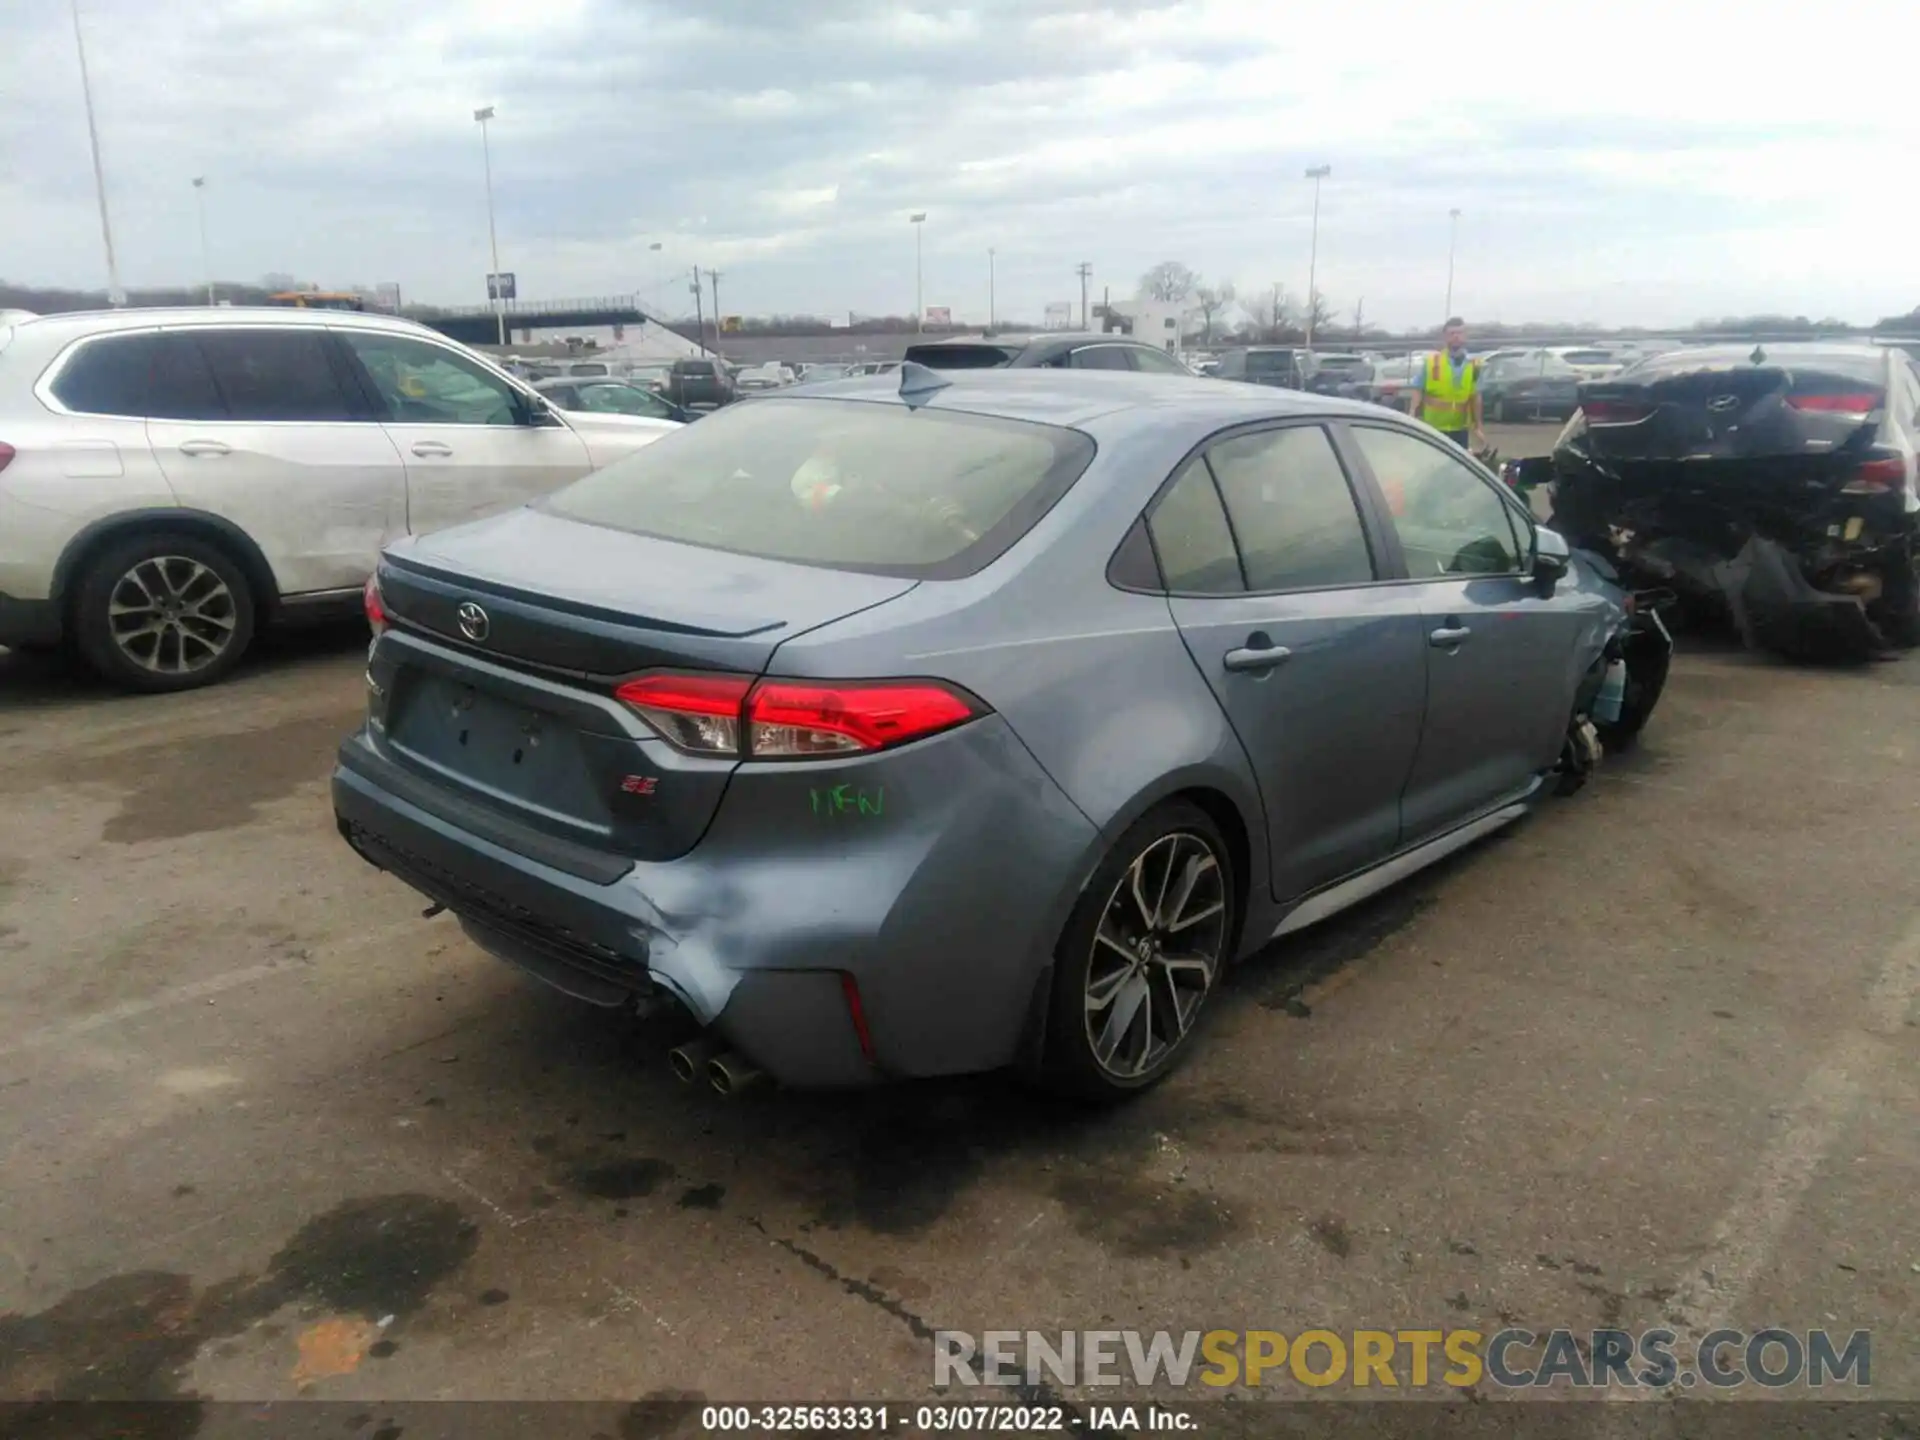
(1898, 612)
(1160, 1028)
(203, 613)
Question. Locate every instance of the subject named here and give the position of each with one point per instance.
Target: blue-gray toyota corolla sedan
(927, 723)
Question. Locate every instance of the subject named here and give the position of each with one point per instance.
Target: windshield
(1588, 357)
(1550, 366)
(854, 485)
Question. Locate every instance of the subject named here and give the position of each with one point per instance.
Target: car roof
(1802, 350)
(1074, 398)
(72, 324)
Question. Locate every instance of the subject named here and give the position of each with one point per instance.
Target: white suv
(172, 480)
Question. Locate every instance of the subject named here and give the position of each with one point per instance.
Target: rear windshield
(1812, 371)
(848, 484)
(695, 367)
(1339, 362)
(1587, 357)
(1266, 362)
(960, 357)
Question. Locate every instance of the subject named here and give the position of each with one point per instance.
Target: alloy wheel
(172, 615)
(1156, 953)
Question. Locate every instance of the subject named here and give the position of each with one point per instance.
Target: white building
(1155, 322)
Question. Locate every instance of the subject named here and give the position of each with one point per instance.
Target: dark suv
(1055, 351)
(699, 384)
(1263, 365)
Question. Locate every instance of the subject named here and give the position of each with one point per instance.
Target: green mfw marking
(847, 800)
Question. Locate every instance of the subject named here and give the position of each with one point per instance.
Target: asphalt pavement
(266, 1131)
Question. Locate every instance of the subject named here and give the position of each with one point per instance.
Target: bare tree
(1169, 281)
(1211, 301)
(1319, 318)
(1270, 314)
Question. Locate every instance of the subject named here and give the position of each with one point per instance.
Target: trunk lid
(1732, 412)
(513, 711)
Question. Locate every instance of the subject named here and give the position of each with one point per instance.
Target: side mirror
(539, 411)
(1552, 558)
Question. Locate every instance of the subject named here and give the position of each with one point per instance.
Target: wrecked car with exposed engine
(1775, 484)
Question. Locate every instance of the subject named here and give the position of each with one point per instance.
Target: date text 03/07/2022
(935, 1419)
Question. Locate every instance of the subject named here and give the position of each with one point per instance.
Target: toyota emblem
(474, 623)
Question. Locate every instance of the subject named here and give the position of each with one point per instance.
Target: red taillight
(376, 609)
(1863, 404)
(856, 1012)
(698, 713)
(7, 452)
(1876, 476)
(1615, 412)
(792, 719)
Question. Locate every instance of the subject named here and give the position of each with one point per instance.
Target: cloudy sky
(1625, 162)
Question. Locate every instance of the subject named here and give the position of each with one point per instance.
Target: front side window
(620, 400)
(275, 375)
(857, 486)
(418, 383)
(1450, 520)
(1292, 510)
(1191, 537)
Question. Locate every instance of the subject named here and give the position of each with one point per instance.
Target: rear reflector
(7, 452)
(375, 607)
(1615, 412)
(791, 719)
(1861, 404)
(856, 1012)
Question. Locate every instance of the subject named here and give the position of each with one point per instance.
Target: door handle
(431, 448)
(204, 447)
(1449, 637)
(1249, 659)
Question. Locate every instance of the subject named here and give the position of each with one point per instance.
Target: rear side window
(1292, 510)
(158, 377)
(960, 357)
(1192, 539)
(1103, 357)
(1156, 362)
(857, 486)
(275, 375)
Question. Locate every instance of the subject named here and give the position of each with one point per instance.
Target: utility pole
(1453, 238)
(699, 315)
(1275, 316)
(206, 261)
(713, 279)
(918, 220)
(1085, 271)
(1316, 174)
(115, 295)
(990, 307)
(1359, 317)
(498, 287)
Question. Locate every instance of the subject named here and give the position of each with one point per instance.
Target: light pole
(1316, 174)
(918, 220)
(990, 309)
(1453, 238)
(206, 255)
(115, 295)
(483, 115)
(713, 279)
(1085, 271)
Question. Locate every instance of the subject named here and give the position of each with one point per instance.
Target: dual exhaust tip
(727, 1071)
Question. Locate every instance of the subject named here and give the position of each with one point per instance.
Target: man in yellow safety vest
(1448, 397)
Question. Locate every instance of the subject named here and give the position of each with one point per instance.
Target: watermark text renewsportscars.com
(1513, 1359)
